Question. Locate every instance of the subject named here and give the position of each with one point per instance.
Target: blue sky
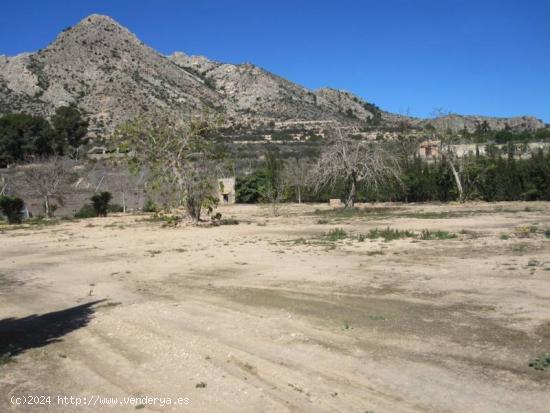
(472, 57)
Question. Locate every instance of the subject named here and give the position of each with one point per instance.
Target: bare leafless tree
(449, 156)
(49, 178)
(296, 174)
(354, 162)
(123, 183)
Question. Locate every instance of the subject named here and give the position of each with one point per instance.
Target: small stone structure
(429, 149)
(335, 203)
(226, 191)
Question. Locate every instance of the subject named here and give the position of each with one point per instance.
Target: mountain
(105, 70)
(255, 93)
(110, 74)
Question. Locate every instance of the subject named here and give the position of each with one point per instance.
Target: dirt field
(273, 315)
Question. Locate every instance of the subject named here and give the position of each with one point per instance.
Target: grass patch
(166, 220)
(541, 363)
(31, 223)
(389, 234)
(426, 234)
(336, 234)
(356, 212)
(400, 212)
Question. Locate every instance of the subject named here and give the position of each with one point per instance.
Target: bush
(431, 235)
(336, 234)
(11, 207)
(100, 203)
(249, 189)
(87, 211)
(389, 234)
(149, 206)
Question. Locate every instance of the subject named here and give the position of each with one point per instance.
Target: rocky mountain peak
(106, 71)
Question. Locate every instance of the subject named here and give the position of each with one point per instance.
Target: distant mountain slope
(109, 73)
(257, 93)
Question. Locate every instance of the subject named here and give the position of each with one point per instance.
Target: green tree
(11, 207)
(23, 136)
(70, 128)
(249, 188)
(179, 154)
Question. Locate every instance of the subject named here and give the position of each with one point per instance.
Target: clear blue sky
(473, 57)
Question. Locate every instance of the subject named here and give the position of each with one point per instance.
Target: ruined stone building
(226, 191)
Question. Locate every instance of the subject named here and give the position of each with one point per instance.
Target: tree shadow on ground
(20, 334)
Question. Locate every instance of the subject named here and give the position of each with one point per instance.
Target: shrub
(216, 218)
(336, 234)
(389, 234)
(523, 232)
(249, 189)
(149, 206)
(428, 235)
(541, 363)
(11, 207)
(87, 211)
(100, 203)
(166, 220)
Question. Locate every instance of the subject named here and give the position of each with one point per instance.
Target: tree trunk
(123, 203)
(458, 182)
(47, 206)
(447, 159)
(352, 193)
(299, 195)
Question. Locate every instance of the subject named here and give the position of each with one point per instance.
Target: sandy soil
(269, 316)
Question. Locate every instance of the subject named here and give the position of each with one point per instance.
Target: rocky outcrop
(457, 123)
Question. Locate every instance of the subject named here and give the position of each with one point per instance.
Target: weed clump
(336, 234)
(390, 234)
(430, 235)
(541, 363)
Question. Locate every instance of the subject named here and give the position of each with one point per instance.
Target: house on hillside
(226, 191)
(429, 149)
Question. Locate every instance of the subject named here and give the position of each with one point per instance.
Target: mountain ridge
(107, 71)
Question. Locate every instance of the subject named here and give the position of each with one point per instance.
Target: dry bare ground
(271, 315)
